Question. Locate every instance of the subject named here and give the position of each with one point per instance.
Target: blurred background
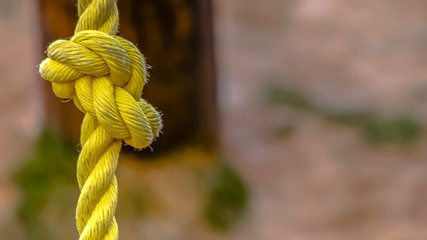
(298, 119)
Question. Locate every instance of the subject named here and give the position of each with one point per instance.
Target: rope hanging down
(104, 74)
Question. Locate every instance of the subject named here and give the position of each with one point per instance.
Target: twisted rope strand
(104, 74)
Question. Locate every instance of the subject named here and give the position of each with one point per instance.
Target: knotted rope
(104, 74)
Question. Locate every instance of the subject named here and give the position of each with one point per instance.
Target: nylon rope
(104, 74)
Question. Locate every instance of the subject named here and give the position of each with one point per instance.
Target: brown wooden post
(176, 38)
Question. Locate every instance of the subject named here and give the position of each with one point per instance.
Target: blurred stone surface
(323, 181)
(20, 104)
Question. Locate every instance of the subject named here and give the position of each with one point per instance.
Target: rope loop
(104, 75)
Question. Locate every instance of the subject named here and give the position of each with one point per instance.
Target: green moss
(51, 163)
(375, 129)
(227, 199)
(348, 118)
(279, 95)
(399, 130)
(284, 130)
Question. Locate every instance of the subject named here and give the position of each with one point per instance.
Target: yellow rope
(104, 74)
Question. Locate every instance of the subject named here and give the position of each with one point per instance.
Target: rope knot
(105, 76)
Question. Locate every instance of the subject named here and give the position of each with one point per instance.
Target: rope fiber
(104, 74)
